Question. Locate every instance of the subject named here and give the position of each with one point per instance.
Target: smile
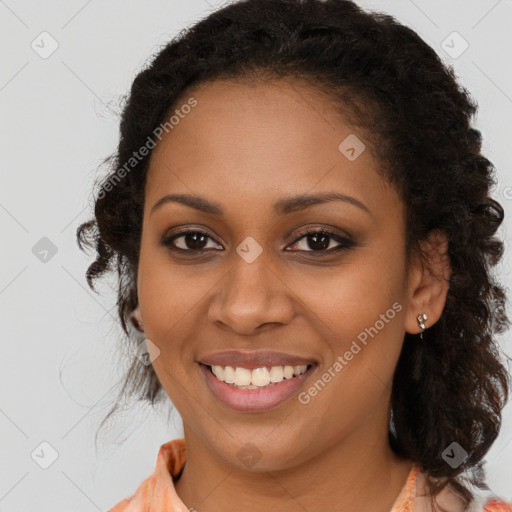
(258, 389)
(245, 378)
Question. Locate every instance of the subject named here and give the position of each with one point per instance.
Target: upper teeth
(258, 376)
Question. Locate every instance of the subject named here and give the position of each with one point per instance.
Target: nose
(251, 296)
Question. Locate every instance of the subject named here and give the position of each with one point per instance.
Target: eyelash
(345, 243)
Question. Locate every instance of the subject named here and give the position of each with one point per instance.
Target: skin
(245, 146)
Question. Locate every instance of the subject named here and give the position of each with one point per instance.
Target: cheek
(359, 311)
(352, 296)
(169, 294)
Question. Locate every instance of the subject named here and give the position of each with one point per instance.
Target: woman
(301, 221)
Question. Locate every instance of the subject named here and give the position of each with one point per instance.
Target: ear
(428, 282)
(136, 319)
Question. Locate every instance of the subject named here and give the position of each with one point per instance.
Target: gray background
(58, 120)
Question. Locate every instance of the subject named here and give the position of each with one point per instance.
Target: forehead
(253, 141)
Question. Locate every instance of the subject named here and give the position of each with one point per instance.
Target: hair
(416, 119)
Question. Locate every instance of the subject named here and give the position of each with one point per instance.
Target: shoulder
(451, 501)
(157, 491)
(121, 506)
(497, 505)
(138, 501)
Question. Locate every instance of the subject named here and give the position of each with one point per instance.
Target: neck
(351, 475)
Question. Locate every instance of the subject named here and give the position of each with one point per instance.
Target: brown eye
(319, 241)
(189, 241)
(323, 241)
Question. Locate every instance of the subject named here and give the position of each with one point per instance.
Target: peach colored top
(157, 492)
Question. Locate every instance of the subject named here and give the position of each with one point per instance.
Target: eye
(191, 241)
(320, 240)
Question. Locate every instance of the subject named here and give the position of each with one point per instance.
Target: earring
(421, 322)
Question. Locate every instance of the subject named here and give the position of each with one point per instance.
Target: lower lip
(253, 400)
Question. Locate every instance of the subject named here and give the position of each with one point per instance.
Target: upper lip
(253, 360)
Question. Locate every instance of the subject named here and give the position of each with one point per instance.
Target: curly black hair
(417, 119)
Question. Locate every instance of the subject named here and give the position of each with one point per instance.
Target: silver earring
(421, 322)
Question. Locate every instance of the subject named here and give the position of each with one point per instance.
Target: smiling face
(247, 151)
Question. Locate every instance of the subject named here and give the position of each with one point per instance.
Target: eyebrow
(283, 206)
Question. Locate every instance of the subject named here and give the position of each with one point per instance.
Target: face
(324, 281)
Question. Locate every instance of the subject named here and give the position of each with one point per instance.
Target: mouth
(256, 378)
(256, 389)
